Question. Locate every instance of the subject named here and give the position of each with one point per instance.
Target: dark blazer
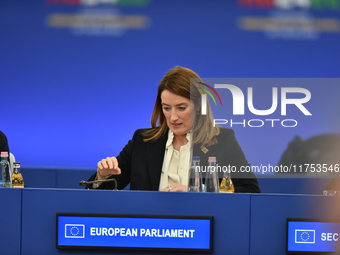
(141, 162)
(3, 142)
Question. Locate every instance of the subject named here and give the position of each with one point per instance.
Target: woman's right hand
(108, 166)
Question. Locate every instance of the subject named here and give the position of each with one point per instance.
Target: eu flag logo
(74, 231)
(304, 236)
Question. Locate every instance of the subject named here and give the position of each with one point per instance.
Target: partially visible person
(159, 158)
(3, 142)
(319, 150)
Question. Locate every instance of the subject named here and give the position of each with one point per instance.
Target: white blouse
(176, 163)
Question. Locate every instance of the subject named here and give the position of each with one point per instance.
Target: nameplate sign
(308, 236)
(137, 232)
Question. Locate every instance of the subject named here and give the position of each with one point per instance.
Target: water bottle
(195, 177)
(212, 183)
(5, 169)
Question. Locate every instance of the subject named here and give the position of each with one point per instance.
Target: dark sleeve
(3, 142)
(243, 182)
(124, 163)
(247, 185)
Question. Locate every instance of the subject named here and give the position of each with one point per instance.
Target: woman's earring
(192, 127)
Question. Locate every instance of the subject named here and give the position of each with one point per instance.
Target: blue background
(71, 97)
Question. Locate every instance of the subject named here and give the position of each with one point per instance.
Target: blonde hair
(183, 82)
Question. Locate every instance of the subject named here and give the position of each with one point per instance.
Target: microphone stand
(84, 183)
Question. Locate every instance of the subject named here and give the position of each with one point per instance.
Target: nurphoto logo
(302, 96)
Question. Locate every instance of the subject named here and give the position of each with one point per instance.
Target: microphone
(84, 183)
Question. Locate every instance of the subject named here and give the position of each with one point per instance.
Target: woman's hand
(176, 187)
(108, 166)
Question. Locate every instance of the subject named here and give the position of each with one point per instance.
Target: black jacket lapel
(155, 154)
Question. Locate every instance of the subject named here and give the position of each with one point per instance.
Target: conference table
(242, 223)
